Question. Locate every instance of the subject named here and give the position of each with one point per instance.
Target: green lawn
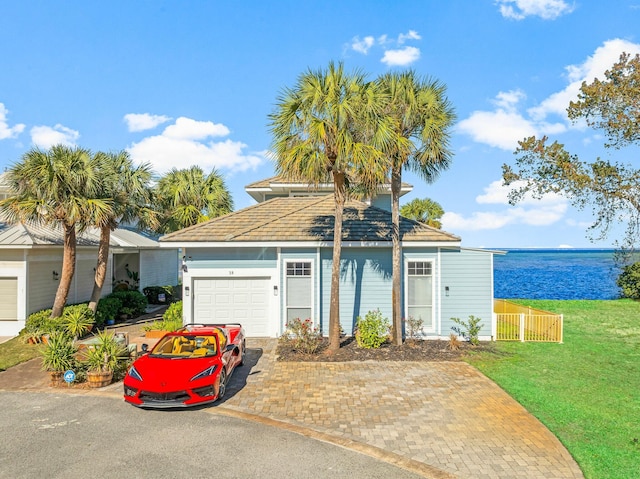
(587, 390)
(15, 352)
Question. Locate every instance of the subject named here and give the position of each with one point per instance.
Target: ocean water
(556, 274)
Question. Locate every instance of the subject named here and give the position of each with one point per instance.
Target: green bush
(171, 319)
(469, 330)
(41, 321)
(301, 336)
(629, 281)
(173, 312)
(153, 294)
(77, 320)
(134, 303)
(372, 331)
(107, 309)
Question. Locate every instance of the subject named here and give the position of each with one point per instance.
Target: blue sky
(182, 83)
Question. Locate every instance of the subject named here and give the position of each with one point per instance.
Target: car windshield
(191, 346)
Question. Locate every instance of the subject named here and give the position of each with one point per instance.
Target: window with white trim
(420, 292)
(299, 290)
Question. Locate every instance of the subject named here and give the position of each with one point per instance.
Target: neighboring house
(271, 262)
(31, 263)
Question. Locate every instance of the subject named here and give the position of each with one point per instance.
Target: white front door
(237, 300)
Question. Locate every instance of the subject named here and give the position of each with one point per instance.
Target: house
(271, 262)
(31, 262)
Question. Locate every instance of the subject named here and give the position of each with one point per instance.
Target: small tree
(468, 330)
(629, 281)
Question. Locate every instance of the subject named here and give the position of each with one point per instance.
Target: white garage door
(237, 300)
(8, 299)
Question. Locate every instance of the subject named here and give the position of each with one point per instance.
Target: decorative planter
(56, 378)
(155, 333)
(99, 379)
(110, 322)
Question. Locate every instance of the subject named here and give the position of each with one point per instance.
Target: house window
(299, 290)
(420, 292)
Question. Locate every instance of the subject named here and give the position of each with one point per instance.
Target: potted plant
(77, 321)
(58, 356)
(103, 358)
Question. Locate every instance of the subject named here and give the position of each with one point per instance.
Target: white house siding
(41, 285)
(365, 284)
(468, 274)
(158, 268)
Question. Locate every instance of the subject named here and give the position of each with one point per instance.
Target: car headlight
(207, 372)
(133, 372)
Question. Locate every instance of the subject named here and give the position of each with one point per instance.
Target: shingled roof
(305, 219)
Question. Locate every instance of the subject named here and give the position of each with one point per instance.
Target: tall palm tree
(57, 187)
(315, 140)
(188, 197)
(126, 186)
(424, 210)
(421, 116)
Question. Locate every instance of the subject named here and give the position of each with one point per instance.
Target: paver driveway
(443, 414)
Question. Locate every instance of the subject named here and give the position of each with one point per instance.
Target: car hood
(163, 374)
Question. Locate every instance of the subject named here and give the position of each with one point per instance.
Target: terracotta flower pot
(56, 378)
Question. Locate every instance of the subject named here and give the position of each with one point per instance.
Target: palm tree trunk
(101, 267)
(339, 194)
(68, 270)
(396, 303)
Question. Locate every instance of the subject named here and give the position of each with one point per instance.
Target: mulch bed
(410, 350)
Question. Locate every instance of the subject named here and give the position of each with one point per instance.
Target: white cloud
(410, 35)
(189, 142)
(532, 212)
(394, 53)
(188, 129)
(7, 131)
(47, 136)
(402, 57)
(509, 123)
(545, 9)
(362, 46)
(144, 121)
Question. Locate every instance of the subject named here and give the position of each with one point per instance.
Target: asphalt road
(65, 436)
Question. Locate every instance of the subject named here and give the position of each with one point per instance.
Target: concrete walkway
(442, 420)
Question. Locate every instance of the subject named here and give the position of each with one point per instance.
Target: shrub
(59, 353)
(468, 330)
(134, 303)
(173, 312)
(301, 336)
(629, 281)
(41, 321)
(454, 342)
(77, 320)
(153, 294)
(107, 355)
(372, 331)
(108, 308)
(413, 327)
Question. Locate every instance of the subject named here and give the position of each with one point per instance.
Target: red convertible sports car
(187, 367)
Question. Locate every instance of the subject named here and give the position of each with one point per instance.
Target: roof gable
(305, 219)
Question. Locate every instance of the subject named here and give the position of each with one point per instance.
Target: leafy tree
(57, 187)
(188, 197)
(126, 186)
(322, 132)
(419, 116)
(424, 210)
(629, 281)
(612, 189)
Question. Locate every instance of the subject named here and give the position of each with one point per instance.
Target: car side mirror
(145, 348)
(230, 347)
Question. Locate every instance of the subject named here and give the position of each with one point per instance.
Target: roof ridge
(260, 225)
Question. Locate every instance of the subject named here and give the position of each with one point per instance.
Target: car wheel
(222, 389)
(243, 351)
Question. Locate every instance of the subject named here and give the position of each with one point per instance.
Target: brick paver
(444, 414)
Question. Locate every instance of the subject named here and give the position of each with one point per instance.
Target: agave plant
(59, 353)
(106, 354)
(77, 321)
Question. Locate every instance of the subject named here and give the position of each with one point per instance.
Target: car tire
(243, 351)
(222, 388)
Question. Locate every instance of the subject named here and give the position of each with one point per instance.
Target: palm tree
(420, 115)
(188, 197)
(127, 188)
(316, 140)
(57, 187)
(424, 210)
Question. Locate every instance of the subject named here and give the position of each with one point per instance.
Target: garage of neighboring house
(9, 299)
(242, 300)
